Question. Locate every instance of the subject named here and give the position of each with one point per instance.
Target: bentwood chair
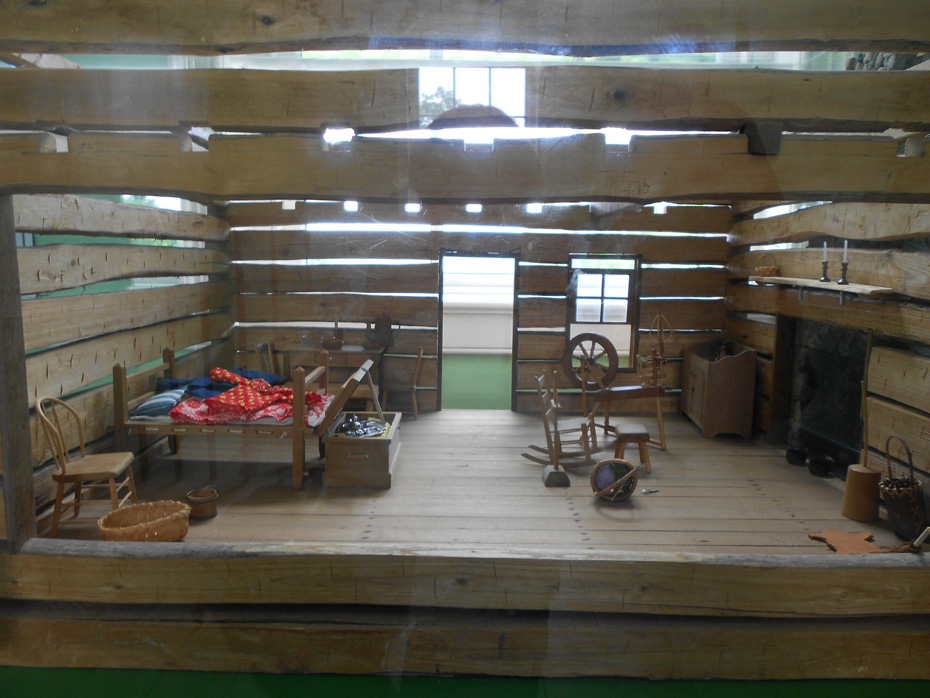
(107, 476)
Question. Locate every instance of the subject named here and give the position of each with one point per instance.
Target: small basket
(763, 269)
(166, 520)
(614, 479)
(903, 497)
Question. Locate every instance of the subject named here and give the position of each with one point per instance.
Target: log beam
(549, 26)
(855, 221)
(15, 450)
(377, 100)
(578, 168)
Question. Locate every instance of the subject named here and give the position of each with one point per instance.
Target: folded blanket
(194, 411)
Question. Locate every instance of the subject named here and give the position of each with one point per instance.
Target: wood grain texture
(348, 278)
(50, 321)
(17, 490)
(531, 246)
(222, 99)
(56, 267)
(85, 216)
(366, 100)
(439, 644)
(683, 219)
(63, 370)
(724, 100)
(900, 375)
(855, 221)
(891, 318)
(906, 273)
(336, 307)
(580, 168)
(555, 26)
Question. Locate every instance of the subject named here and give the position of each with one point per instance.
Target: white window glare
(288, 205)
(534, 208)
(412, 208)
(474, 208)
(338, 135)
(350, 206)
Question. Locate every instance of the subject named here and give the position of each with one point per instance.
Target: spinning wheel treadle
(582, 361)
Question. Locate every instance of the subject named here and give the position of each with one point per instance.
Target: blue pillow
(159, 405)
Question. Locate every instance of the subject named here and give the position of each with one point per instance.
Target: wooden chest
(361, 461)
(718, 387)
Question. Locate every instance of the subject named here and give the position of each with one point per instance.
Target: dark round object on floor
(796, 456)
(821, 466)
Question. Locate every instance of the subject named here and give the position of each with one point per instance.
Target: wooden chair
(266, 357)
(404, 386)
(110, 472)
(559, 442)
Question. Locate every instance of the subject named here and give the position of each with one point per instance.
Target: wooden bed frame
(295, 430)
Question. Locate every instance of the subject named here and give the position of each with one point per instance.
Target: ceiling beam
(377, 100)
(593, 27)
(580, 168)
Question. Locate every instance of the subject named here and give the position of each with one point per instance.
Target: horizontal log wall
(887, 244)
(683, 278)
(74, 339)
(286, 303)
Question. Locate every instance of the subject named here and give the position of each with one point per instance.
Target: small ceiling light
(474, 208)
(289, 205)
(534, 208)
(659, 208)
(350, 206)
(412, 208)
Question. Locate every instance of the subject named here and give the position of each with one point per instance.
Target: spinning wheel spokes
(590, 361)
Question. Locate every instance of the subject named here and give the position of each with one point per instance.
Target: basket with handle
(903, 496)
(165, 520)
(766, 265)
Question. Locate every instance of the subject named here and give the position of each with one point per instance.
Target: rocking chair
(559, 442)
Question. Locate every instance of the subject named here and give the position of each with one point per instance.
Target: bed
(295, 428)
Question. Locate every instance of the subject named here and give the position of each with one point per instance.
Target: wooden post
(15, 450)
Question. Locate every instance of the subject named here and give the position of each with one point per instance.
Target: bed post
(299, 428)
(120, 408)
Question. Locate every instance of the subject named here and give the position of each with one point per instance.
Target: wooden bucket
(860, 495)
(203, 502)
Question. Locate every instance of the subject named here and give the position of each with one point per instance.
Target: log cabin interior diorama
(484, 338)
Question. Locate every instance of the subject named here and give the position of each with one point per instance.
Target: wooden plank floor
(461, 484)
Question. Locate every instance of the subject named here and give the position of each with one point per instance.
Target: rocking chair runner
(110, 472)
(558, 451)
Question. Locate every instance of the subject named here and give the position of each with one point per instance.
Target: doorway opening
(476, 331)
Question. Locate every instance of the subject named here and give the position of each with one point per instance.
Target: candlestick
(826, 264)
(824, 258)
(844, 266)
(845, 252)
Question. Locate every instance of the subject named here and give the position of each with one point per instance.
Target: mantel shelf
(857, 289)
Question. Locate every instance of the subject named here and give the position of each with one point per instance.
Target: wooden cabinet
(718, 387)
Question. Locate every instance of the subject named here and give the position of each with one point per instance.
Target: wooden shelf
(857, 289)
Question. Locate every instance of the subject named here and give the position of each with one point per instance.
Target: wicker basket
(150, 521)
(763, 269)
(903, 497)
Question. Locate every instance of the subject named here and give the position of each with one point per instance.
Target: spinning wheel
(583, 361)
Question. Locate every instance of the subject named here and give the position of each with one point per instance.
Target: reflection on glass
(615, 311)
(617, 285)
(589, 285)
(587, 310)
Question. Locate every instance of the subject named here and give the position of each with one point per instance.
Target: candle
(845, 252)
(825, 252)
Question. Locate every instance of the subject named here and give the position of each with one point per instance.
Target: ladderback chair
(266, 357)
(404, 386)
(107, 476)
